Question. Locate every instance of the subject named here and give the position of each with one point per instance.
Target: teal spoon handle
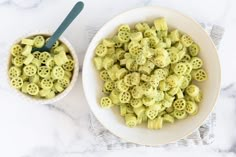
(67, 21)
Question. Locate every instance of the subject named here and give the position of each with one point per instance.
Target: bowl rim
(173, 11)
(28, 97)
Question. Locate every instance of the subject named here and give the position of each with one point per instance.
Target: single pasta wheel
(174, 57)
(109, 85)
(16, 50)
(135, 49)
(135, 103)
(191, 107)
(57, 72)
(43, 71)
(179, 104)
(18, 60)
(64, 82)
(69, 65)
(14, 72)
(186, 40)
(193, 49)
(124, 97)
(192, 90)
(105, 102)
(186, 58)
(44, 56)
(50, 63)
(46, 83)
(39, 41)
(128, 80)
(30, 70)
(180, 69)
(124, 28)
(199, 75)
(32, 89)
(104, 75)
(196, 62)
(130, 120)
(36, 54)
(123, 36)
(101, 50)
(180, 114)
(17, 82)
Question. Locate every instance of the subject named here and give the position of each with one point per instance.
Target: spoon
(67, 21)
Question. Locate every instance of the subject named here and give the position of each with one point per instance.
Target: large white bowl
(111, 119)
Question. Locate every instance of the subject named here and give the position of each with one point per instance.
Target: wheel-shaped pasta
(186, 40)
(44, 56)
(130, 120)
(135, 103)
(30, 70)
(180, 114)
(104, 75)
(14, 72)
(192, 90)
(46, 83)
(123, 36)
(196, 62)
(39, 41)
(191, 107)
(105, 102)
(124, 27)
(101, 50)
(50, 63)
(193, 49)
(44, 71)
(199, 75)
(17, 82)
(179, 104)
(16, 50)
(125, 97)
(57, 72)
(18, 60)
(32, 89)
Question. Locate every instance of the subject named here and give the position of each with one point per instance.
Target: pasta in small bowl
(155, 75)
(42, 77)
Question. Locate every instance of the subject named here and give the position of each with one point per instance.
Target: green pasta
(41, 75)
(148, 72)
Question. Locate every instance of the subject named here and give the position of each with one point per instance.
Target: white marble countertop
(28, 130)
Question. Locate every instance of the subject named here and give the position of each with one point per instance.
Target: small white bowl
(31, 99)
(111, 119)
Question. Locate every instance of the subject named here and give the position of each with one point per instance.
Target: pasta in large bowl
(151, 75)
